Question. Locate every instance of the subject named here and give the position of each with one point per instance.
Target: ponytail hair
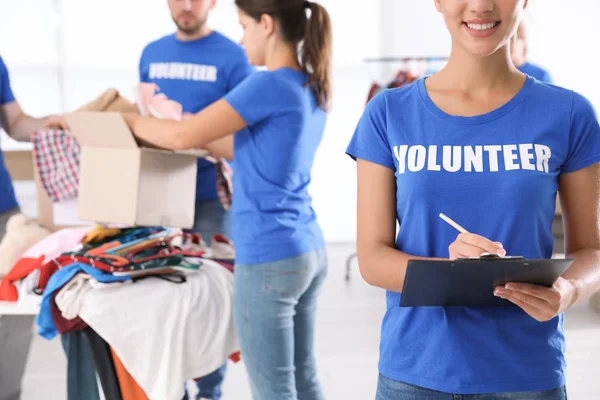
(317, 51)
(313, 31)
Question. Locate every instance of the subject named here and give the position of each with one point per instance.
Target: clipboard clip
(491, 257)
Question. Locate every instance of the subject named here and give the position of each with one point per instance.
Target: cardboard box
(122, 183)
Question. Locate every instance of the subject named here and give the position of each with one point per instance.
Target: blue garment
(274, 313)
(536, 72)
(46, 327)
(195, 74)
(272, 214)
(497, 175)
(8, 200)
(388, 389)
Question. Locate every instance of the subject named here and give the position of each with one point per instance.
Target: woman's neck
(282, 55)
(467, 73)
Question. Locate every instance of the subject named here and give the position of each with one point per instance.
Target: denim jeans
(388, 389)
(211, 218)
(274, 311)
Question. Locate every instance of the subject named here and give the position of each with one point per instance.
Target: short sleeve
(370, 140)
(6, 93)
(143, 69)
(584, 139)
(255, 99)
(240, 70)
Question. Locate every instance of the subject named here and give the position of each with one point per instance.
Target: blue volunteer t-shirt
(273, 218)
(196, 74)
(8, 200)
(536, 72)
(497, 175)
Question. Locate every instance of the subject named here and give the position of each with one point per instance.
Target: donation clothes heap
(123, 284)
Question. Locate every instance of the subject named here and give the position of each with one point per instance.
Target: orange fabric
(23, 267)
(102, 249)
(130, 390)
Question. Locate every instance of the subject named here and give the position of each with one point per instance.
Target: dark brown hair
(313, 31)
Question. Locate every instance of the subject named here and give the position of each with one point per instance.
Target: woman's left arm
(580, 202)
(213, 123)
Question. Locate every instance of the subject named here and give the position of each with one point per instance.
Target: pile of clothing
(135, 290)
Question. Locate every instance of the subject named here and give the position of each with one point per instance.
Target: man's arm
(20, 126)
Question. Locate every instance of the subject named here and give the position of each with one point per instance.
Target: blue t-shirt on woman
(273, 218)
(497, 175)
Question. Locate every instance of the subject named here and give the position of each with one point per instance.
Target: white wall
(97, 45)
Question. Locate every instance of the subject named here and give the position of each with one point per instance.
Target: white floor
(347, 346)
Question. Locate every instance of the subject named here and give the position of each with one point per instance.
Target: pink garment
(62, 241)
(156, 105)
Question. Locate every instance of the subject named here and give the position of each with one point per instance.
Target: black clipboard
(471, 282)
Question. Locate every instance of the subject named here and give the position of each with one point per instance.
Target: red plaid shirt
(56, 155)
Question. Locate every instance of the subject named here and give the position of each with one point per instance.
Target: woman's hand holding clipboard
(540, 302)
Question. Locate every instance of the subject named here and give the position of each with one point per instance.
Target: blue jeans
(212, 218)
(274, 311)
(388, 389)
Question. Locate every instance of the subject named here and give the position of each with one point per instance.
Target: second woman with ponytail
(279, 116)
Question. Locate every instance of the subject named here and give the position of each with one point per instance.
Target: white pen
(453, 224)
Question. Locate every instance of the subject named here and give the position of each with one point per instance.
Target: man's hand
(541, 303)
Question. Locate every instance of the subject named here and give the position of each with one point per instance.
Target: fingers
(486, 245)
(524, 297)
(542, 303)
(471, 245)
(464, 250)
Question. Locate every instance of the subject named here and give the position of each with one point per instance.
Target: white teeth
(481, 27)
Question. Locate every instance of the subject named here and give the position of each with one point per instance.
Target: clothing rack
(405, 59)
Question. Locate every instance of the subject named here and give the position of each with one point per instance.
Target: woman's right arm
(380, 263)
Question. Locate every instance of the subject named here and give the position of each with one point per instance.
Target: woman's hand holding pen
(469, 245)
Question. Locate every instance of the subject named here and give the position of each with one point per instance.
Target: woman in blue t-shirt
(489, 147)
(279, 116)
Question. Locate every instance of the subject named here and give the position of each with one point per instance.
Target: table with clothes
(153, 305)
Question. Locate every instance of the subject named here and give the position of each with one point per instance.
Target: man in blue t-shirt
(15, 331)
(197, 66)
(519, 57)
